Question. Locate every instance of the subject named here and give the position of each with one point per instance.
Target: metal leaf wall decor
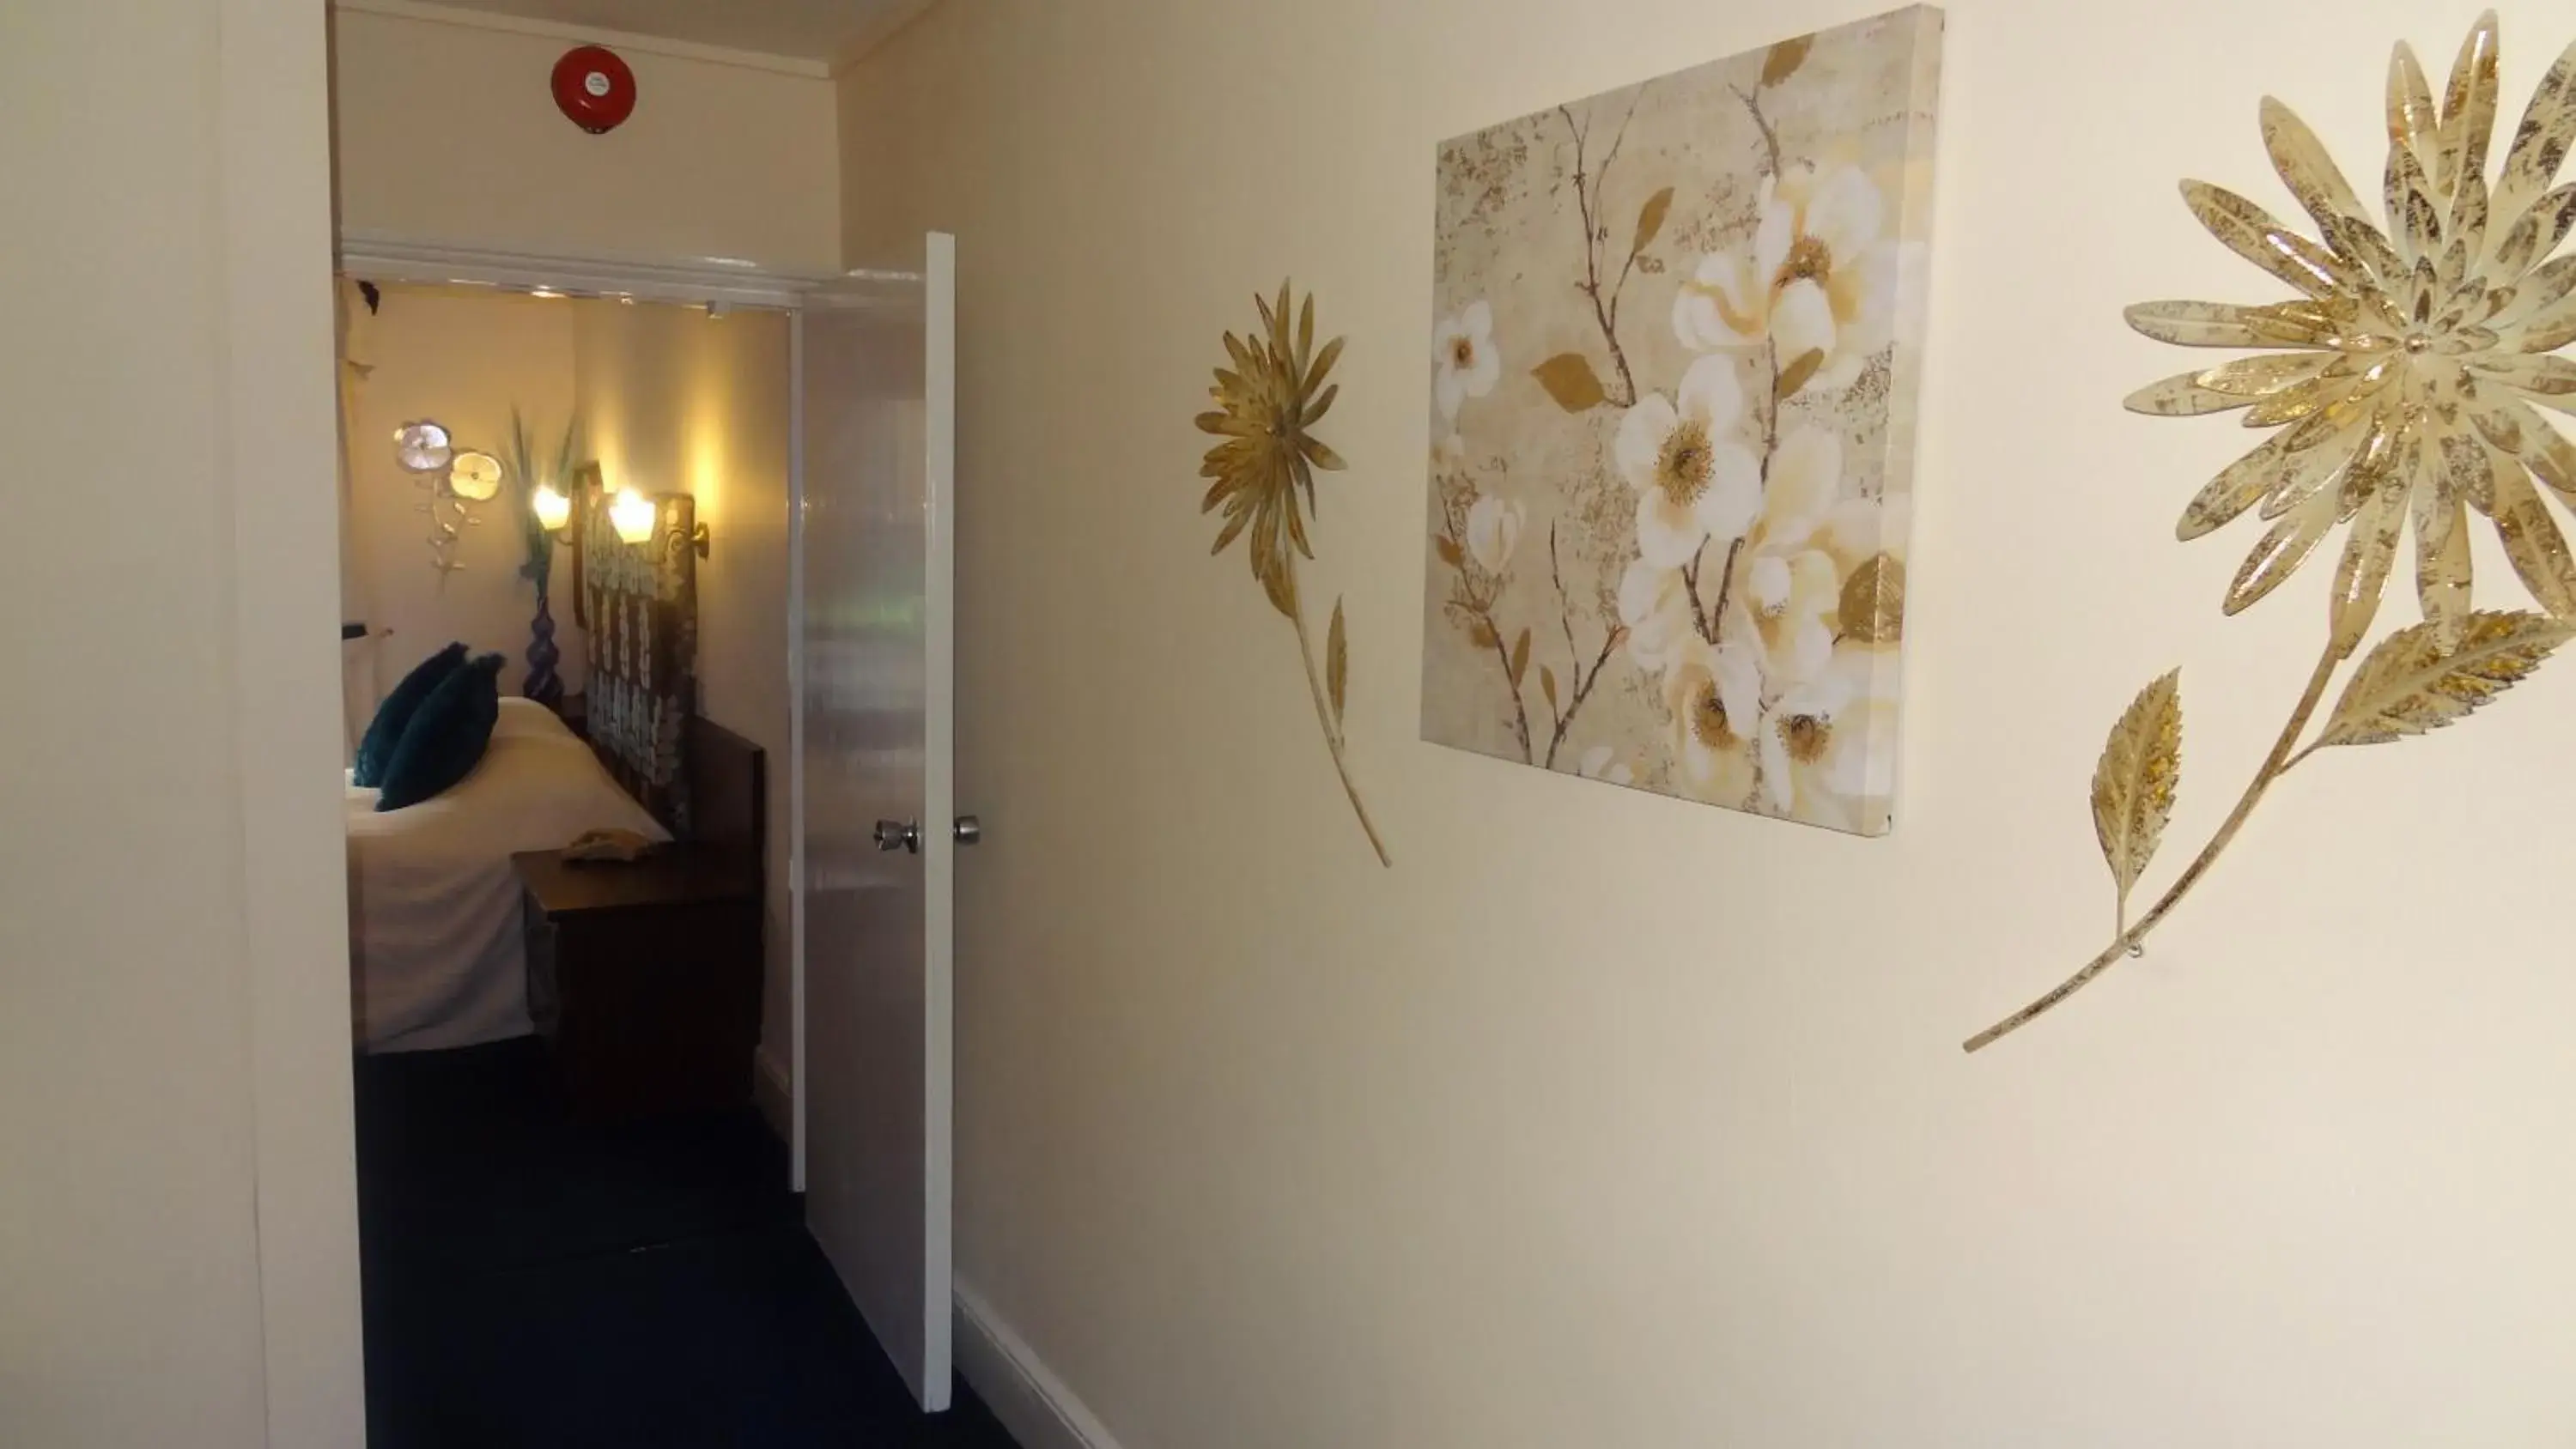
(2402, 378)
(1268, 402)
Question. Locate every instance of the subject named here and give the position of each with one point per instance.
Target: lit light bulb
(632, 513)
(554, 510)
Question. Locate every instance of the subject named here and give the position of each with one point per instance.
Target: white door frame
(689, 282)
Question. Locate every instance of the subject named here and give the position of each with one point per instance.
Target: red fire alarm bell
(594, 88)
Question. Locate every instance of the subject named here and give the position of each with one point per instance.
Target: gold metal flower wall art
(2401, 379)
(1268, 402)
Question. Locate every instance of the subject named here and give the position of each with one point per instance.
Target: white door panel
(875, 568)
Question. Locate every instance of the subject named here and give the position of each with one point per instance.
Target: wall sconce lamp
(632, 514)
(554, 509)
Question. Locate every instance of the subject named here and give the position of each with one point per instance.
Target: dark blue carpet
(533, 1282)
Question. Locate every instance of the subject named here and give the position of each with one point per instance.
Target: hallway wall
(463, 357)
(1607, 1120)
(178, 1236)
(447, 133)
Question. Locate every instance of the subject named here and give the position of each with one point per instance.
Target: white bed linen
(436, 952)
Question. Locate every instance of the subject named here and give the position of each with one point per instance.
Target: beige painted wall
(448, 133)
(1604, 1119)
(674, 401)
(462, 356)
(178, 1256)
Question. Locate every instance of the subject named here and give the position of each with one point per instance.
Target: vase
(543, 686)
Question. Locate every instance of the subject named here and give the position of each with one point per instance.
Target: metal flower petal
(2406, 364)
(1265, 404)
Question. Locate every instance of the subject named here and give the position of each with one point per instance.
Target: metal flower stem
(2275, 765)
(1324, 714)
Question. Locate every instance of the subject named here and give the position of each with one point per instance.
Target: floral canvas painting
(1676, 344)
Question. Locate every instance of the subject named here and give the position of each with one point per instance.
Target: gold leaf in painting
(1482, 635)
(1449, 551)
(2408, 685)
(2133, 786)
(1784, 59)
(1337, 663)
(1520, 657)
(1650, 220)
(1547, 684)
(1569, 378)
(1798, 373)
(1872, 607)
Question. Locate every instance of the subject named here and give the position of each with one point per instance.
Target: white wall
(177, 1226)
(673, 401)
(464, 357)
(1608, 1120)
(447, 132)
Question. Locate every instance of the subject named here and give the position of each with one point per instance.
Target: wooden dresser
(646, 977)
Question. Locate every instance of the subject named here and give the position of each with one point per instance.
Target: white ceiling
(809, 29)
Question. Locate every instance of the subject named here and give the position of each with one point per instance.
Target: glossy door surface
(874, 568)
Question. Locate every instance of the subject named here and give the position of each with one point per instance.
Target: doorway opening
(585, 1110)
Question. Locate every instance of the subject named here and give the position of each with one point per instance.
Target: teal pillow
(376, 747)
(446, 735)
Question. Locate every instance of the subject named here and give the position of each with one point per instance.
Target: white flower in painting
(1714, 696)
(1654, 607)
(1860, 529)
(1821, 276)
(1601, 763)
(1450, 451)
(1786, 589)
(1493, 531)
(1464, 361)
(1813, 747)
(1867, 538)
(1693, 481)
(1860, 763)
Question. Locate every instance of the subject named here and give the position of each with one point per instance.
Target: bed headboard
(639, 603)
(728, 779)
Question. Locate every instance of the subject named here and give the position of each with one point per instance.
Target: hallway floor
(531, 1282)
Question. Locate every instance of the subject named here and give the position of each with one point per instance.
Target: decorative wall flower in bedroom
(2401, 379)
(453, 478)
(1267, 405)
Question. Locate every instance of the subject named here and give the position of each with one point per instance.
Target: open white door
(879, 828)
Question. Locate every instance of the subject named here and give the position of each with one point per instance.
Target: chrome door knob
(969, 830)
(899, 835)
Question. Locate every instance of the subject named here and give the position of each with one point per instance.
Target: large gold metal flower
(2411, 356)
(1266, 403)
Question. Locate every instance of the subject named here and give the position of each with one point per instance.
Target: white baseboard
(772, 1094)
(1022, 1392)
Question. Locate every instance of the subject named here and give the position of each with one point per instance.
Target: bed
(437, 947)
(437, 954)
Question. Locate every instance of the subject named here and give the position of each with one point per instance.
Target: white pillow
(520, 717)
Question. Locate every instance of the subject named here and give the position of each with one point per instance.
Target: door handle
(969, 830)
(899, 835)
